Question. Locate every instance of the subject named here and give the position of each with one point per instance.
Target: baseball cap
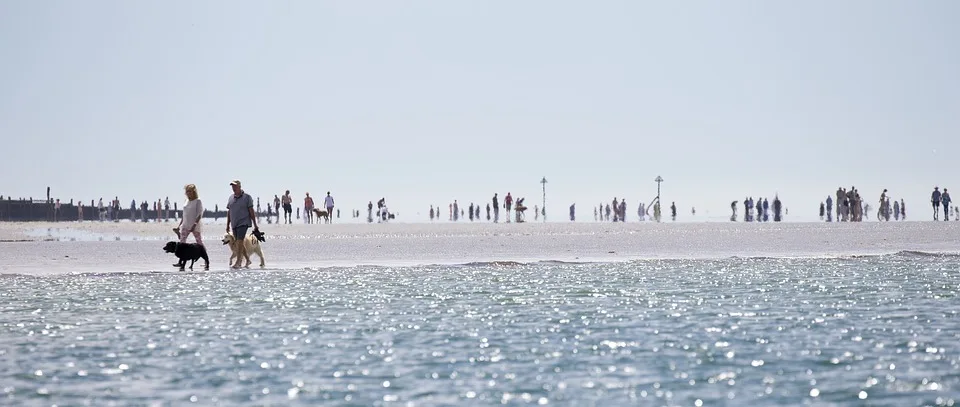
(235, 182)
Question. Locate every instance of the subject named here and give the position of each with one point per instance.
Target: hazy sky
(423, 102)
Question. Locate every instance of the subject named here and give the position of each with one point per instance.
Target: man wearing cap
(240, 213)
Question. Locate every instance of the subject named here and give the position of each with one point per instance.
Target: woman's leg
(196, 235)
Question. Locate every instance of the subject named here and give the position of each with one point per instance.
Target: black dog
(187, 251)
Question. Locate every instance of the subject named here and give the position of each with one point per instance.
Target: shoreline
(30, 231)
(58, 248)
(20, 232)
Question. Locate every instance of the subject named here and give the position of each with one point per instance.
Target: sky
(427, 101)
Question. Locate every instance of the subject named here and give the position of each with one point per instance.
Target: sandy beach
(41, 248)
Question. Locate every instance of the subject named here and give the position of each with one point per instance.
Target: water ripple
(658, 332)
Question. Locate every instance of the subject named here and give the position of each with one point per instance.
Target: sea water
(827, 330)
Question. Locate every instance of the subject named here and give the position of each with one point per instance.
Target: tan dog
(320, 213)
(242, 250)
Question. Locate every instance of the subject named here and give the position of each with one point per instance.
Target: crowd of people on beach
(845, 205)
(616, 211)
(850, 207)
(758, 210)
(455, 212)
(242, 213)
(312, 214)
(166, 212)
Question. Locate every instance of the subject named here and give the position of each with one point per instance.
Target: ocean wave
(905, 254)
(918, 253)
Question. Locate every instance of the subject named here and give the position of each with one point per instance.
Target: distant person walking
(192, 215)
(116, 209)
(746, 209)
(496, 209)
(935, 200)
(830, 209)
(287, 202)
(328, 202)
(840, 194)
(276, 206)
(945, 199)
(308, 208)
(777, 208)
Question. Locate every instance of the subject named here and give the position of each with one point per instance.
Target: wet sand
(95, 246)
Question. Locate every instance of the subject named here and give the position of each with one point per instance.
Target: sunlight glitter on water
(757, 331)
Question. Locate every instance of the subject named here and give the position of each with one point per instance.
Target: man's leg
(329, 214)
(239, 233)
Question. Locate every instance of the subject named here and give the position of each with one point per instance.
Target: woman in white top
(192, 213)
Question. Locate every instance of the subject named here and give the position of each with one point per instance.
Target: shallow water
(837, 331)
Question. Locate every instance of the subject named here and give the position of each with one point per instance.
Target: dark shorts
(240, 232)
(936, 204)
(287, 208)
